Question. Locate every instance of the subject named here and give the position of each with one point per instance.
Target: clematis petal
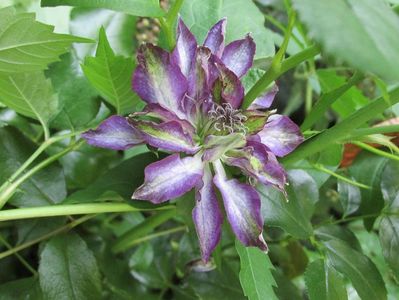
(218, 145)
(169, 136)
(114, 133)
(265, 100)
(156, 111)
(207, 215)
(158, 79)
(215, 38)
(257, 161)
(242, 205)
(280, 135)
(228, 88)
(239, 55)
(169, 178)
(186, 45)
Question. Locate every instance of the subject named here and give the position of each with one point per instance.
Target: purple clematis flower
(193, 96)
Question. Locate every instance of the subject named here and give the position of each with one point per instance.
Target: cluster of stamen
(227, 119)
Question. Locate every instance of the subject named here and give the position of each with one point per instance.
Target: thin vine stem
(44, 237)
(376, 151)
(71, 209)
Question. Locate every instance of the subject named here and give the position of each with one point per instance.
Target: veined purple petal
(169, 178)
(114, 133)
(215, 38)
(169, 136)
(158, 79)
(239, 55)
(207, 216)
(228, 87)
(257, 161)
(280, 135)
(156, 111)
(186, 45)
(242, 205)
(265, 100)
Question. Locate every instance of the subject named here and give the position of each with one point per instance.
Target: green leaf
(68, 270)
(77, 98)
(286, 289)
(121, 180)
(200, 15)
(367, 169)
(144, 8)
(255, 274)
(390, 182)
(336, 232)
(389, 235)
(45, 187)
(120, 29)
(31, 95)
(27, 45)
(362, 272)
(324, 283)
(111, 76)
(365, 37)
(349, 197)
(26, 288)
(293, 215)
(350, 101)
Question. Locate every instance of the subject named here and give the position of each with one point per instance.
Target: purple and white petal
(228, 87)
(239, 55)
(207, 215)
(114, 133)
(215, 38)
(158, 79)
(169, 136)
(280, 135)
(186, 45)
(258, 162)
(242, 205)
(265, 100)
(169, 178)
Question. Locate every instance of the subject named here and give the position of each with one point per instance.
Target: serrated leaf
(365, 36)
(68, 270)
(29, 94)
(324, 283)
(144, 8)
(200, 15)
(78, 100)
(336, 232)
(255, 274)
(27, 45)
(390, 182)
(111, 76)
(361, 271)
(349, 197)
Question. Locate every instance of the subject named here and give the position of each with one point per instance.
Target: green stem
(70, 209)
(374, 130)
(376, 151)
(8, 191)
(19, 257)
(156, 235)
(327, 100)
(275, 72)
(173, 12)
(42, 238)
(343, 178)
(340, 131)
(125, 241)
(39, 151)
(309, 97)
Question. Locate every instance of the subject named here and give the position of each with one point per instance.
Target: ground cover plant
(199, 149)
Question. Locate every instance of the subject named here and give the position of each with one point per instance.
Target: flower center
(226, 119)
